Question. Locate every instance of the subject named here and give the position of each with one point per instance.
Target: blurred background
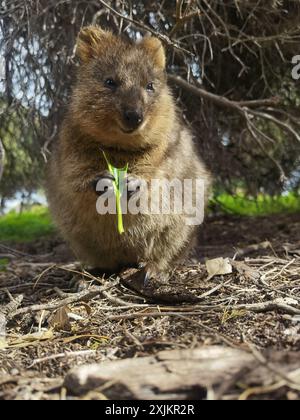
(231, 65)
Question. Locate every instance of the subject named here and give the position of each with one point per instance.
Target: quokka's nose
(133, 118)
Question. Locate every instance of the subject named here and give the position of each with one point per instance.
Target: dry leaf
(30, 339)
(248, 272)
(87, 308)
(60, 320)
(218, 267)
(3, 343)
(79, 337)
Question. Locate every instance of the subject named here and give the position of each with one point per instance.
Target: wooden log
(179, 374)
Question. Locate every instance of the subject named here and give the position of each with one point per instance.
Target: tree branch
(164, 38)
(222, 100)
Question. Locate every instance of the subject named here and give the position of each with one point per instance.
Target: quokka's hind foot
(152, 273)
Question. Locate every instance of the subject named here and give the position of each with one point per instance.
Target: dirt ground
(55, 317)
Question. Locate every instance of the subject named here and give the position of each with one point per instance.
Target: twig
(245, 109)
(122, 302)
(261, 358)
(275, 120)
(133, 339)
(39, 277)
(12, 305)
(78, 297)
(178, 315)
(162, 37)
(7, 256)
(62, 356)
(251, 248)
(254, 307)
(268, 307)
(215, 289)
(270, 388)
(182, 18)
(14, 251)
(221, 100)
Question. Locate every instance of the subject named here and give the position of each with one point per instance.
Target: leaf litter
(251, 303)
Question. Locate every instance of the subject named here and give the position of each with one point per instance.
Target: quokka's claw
(147, 279)
(151, 272)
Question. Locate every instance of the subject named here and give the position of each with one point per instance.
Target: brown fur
(161, 148)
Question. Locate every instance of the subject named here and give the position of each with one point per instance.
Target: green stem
(119, 213)
(118, 186)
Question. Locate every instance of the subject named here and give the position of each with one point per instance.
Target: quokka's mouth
(124, 130)
(129, 131)
(132, 130)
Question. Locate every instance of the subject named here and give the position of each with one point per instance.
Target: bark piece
(178, 374)
(183, 374)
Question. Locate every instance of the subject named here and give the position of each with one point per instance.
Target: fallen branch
(65, 355)
(7, 256)
(268, 307)
(241, 252)
(177, 374)
(83, 296)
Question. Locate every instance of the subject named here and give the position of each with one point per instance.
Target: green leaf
(119, 175)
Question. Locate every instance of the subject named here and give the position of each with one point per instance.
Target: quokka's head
(121, 86)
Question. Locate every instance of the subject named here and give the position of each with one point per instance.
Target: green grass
(36, 223)
(3, 264)
(27, 226)
(262, 206)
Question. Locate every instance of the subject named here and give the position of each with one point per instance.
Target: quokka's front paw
(133, 185)
(103, 183)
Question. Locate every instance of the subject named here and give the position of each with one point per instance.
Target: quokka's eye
(110, 83)
(150, 87)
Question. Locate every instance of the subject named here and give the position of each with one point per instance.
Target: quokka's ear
(91, 42)
(156, 50)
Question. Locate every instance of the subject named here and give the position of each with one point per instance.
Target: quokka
(121, 104)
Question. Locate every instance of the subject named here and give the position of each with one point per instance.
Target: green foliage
(36, 223)
(262, 206)
(23, 169)
(27, 226)
(3, 264)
